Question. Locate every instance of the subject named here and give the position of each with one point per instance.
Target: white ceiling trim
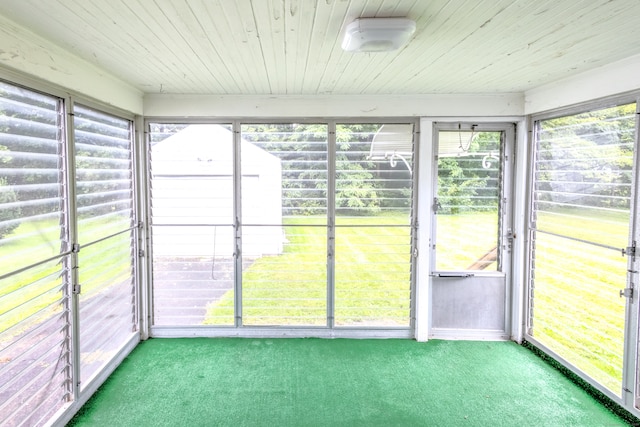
(612, 79)
(457, 105)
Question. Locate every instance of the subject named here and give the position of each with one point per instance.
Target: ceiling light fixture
(377, 34)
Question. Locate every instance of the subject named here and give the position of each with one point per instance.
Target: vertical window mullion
(414, 225)
(237, 222)
(72, 242)
(331, 222)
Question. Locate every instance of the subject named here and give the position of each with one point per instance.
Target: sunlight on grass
(372, 277)
(463, 239)
(577, 310)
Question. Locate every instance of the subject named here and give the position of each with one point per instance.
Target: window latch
(436, 205)
(626, 292)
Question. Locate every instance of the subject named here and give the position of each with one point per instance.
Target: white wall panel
(28, 53)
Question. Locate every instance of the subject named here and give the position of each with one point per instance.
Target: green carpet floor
(315, 382)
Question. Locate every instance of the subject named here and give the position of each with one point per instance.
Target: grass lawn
(462, 239)
(577, 310)
(372, 276)
(372, 271)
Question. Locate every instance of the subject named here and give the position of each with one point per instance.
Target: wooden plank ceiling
(293, 46)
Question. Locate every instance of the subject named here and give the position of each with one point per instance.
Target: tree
(457, 187)
(586, 159)
(302, 149)
(464, 182)
(356, 189)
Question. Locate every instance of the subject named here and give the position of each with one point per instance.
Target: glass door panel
(467, 201)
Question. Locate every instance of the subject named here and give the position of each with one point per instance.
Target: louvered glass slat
(192, 196)
(103, 173)
(30, 176)
(580, 222)
(373, 276)
(374, 180)
(107, 301)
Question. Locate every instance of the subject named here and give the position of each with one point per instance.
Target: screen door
(471, 243)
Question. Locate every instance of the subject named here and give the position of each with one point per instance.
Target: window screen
(277, 226)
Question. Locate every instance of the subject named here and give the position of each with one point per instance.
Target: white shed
(192, 195)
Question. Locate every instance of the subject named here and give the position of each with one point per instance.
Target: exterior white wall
(612, 79)
(498, 105)
(27, 53)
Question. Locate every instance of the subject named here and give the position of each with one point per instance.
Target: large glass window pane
(192, 216)
(105, 216)
(34, 324)
(284, 215)
(580, 223)
(374, 168)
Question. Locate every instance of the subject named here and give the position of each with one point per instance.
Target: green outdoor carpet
(316, 382)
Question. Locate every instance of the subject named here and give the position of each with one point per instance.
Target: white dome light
(377, 34)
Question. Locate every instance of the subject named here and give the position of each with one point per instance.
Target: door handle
(454, 275)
